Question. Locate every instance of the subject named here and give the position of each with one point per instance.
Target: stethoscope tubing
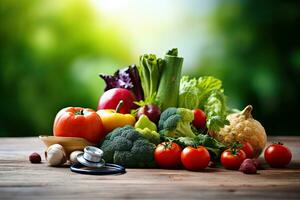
(114, 169)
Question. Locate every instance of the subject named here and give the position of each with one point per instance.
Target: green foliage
(125, 146)
(206, 93)
(255, 53)
(50, 55)
(213, 146)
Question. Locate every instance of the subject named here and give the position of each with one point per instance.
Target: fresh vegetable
(79, 122)
(111, 98)
(35, 158)
(167, 155)
(113, 119)
(127, 78)
(176, 122)
(199, 119)
(205, 93)
(243, 128)
(257, 163)
(278, 155)
(125, 146)
(144, 122)
(147, 129)
(149, 70)
(248, 167)
(189, 93)
(73, 156)
(195, 158)
(248, 149)
(168, 89)
(150, 135)
(232, 158)
(152, 111)
(56, 155)
(212, 145)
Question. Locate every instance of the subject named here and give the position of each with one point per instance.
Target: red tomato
(195, 158)
(79, 122)
(167, 155)
(199, 119)
(111, 98)
(278, 155)
(232, 159)
(248, 149)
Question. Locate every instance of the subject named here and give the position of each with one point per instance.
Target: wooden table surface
(20, 179)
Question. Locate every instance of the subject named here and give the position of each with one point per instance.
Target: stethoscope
(91, 162)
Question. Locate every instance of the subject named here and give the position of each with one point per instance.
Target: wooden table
(20, 179)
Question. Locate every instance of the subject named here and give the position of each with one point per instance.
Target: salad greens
(205, 93)
(212, 145)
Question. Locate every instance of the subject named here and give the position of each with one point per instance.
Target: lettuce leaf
(205, 93)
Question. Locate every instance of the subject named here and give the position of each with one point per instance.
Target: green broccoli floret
(125, 146)
(176, 122)
(150, 135)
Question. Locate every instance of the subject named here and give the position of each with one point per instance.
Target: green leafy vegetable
(215, 148)
(149, 70)
(205, 93)
(189, 93)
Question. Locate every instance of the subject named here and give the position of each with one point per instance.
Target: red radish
(111, 98)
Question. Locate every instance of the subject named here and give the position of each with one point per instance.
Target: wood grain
(20, 179)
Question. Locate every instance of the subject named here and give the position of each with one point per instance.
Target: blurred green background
(52, 51)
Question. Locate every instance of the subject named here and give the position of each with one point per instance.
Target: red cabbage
(127, 78)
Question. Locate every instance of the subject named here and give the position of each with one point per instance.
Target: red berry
(35, 158)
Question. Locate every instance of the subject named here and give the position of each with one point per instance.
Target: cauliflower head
(243, 128)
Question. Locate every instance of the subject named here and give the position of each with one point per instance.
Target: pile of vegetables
(151, 116)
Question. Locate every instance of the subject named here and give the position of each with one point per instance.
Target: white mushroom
(56, 155)
(73, 156)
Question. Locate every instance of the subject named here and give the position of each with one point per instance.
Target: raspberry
(35, 158)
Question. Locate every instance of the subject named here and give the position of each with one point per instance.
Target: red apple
(111, 98)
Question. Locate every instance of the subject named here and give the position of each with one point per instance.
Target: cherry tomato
(199, 119)
(167, 155)
(278, 155)
(195, 158)
(111, 98)
(248, 149)
(233, 158)
(79, 122)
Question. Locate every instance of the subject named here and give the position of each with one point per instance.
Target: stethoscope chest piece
(91, 162)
